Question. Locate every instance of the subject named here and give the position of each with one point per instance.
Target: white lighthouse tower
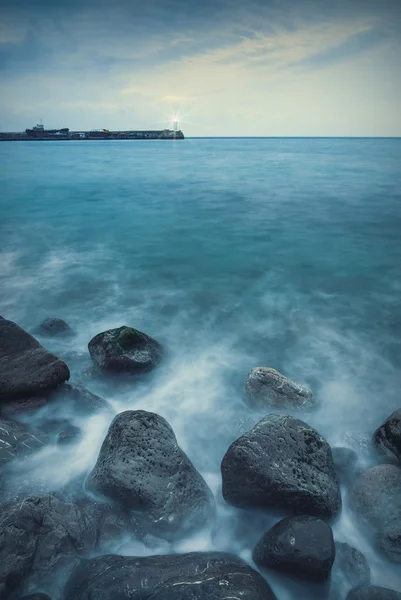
(175, 124)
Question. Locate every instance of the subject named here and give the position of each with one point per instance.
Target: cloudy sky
(227, 67)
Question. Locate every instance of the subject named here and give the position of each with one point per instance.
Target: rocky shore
(56, 545)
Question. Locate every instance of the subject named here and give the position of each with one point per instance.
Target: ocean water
(233, 253)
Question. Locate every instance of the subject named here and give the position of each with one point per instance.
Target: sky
(224, 67)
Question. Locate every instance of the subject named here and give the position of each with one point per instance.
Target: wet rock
(352, 564)
(372, 592)
(37, 596)
(267, 387)
(26, 368)
(299, 546)
(194, 576)
(68, 435)
(38, 537)
(20, 406)
(375, 497)
(81, 400)
(141, 467)
(125, 350)
(18, 441)
(389, 540)
(388, 436)
(345, 461)
(282, 463)
(54, 326)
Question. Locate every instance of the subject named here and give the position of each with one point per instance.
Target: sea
(233, 253)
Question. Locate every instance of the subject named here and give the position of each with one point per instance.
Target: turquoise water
(234, 253)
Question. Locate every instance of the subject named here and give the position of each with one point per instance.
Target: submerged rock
(125, 350)
(388, 436)
(39, 536)
(141, 467)
(345, 461)
(282, 463)
(299, 546)
(267, 387)
(376, 496)
(18, 440)
(372, 592)
(26, 368)
(389, 540)
(193, 576)
(54, 326)
(352, 564)
(68, 435)
(81, 400)
(37, 596)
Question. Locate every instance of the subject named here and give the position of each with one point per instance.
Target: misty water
(233, 253)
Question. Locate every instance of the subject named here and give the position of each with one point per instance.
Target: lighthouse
(175, 124)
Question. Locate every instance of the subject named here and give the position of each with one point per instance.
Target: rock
(54, 326)
(82, 401)
(68, 435)
(282, 463)
(18, 441)
(14, 408)
(141, 467)
(125, 350)
(267, 387)
(193, 576)
(345, 461)
(300, 546)
(37, 596)
(26, 368)
(389, 540)
(352, 564)
(375, 497)
(372, 592)
(39, 536)
(388, 436)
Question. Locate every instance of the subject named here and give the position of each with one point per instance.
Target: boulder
(375, 497)
(39, 536)
(300, 546)
(388, 436)
(54, 326)
(81, 400)
(352, 564)
(266, 387)
(372, 592)
(282, 463)
(389, 540)
(26, 368)
(141, 467)
(18, 440)
(345, 461)
(124, 350)
(193, 576)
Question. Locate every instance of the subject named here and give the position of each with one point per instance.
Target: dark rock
(372, 592)
(282, 463)
(300, 546)
(82, 401)
(125, 350)
(194, 576)
(352, 564)
(37, 596)
(345, 461)
(18, 440)
(388, 436)
(38, 537)
(14, 408)
(376, 496)
(267, 387)
(68, 435)
(54, 326)
(141, 467)
(26, 368)
(389, 540)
